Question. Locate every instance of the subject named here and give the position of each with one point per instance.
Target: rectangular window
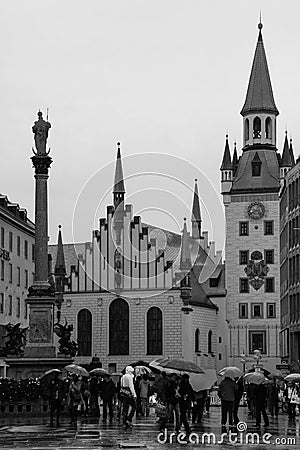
(244, 256)
(244, 228)
(244, 285)
(2, 270)
(18, 276)
(32, 252)
(269, 227)
(243, 310)
(257, 310)
(10, 242)
(269, 256)
(2, 238)
(18, 312)
(10, 305)
(220, 340)
(256, 169)
(1, 303)
(25, 310)
(213, 282)
(269, 285)
(26, 249)
(10, 273)
(257, 341)
(220, 356)
(271, 310)
(26, 278)
(18, 245)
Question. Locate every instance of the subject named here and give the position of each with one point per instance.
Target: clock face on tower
(256, 210)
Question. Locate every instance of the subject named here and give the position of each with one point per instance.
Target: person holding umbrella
(128, 397)
(260, 393)
(186, 396)
(291, 395)
(273, 395)
(107, 390)
(74, 397)
(55, 393)
(227, 394)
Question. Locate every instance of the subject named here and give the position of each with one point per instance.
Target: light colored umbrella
(98, 372)
(292, 377)
(276, 375)
(78, 370)
(49, 375)
(203, 381)
(181, 365)
(155, 365)
(231, 372)
(255, 377)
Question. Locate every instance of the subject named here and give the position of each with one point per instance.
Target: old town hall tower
(250, 185)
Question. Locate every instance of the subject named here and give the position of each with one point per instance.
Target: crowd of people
(176, 401)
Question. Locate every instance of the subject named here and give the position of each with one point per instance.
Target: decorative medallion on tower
(256, 210)
(256, 270)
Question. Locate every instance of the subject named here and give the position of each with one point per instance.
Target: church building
(133, 292)
(250, 185)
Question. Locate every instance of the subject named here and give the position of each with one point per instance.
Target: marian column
(41, 297)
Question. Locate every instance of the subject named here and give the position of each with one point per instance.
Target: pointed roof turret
(292, 153)
(60, 267)
(196, 213)
(119, 186)
(259, 96)
(226, 163)
(235, 160)
(185, 257)
(286, 155)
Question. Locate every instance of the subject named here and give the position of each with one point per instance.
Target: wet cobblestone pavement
(34, 433)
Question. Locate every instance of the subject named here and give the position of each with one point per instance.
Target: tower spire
(226, 163)
(185, 257)
(234, 160)
(259, 96)
(292, 153)
(286, 161)
(60, 267)
(196, 214)
(119, 187)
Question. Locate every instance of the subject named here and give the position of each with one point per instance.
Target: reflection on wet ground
(35, 433)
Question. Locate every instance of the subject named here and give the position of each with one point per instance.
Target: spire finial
(59, 226)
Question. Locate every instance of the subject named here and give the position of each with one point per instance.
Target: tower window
(244, 256)
(243, 310)
(271, 310)
(257, 310)
(269, 286)
(256, 169)
(269, 227)
(244, 228)
(246, 129)
(257, 341)
(257, 128)
(268, 128)
(269, 256)
(244, 285)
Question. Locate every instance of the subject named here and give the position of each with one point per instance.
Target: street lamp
(243, 361)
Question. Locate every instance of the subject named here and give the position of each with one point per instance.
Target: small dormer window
(256, 166)
(257, 128)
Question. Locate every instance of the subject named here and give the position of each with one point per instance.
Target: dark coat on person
(172, 392)
(55, 390)
(260, 393)
(107, 389)
(186, 391)
(227, 390)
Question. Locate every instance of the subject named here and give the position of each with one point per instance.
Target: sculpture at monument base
(66, 346)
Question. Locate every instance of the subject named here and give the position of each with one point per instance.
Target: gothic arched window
(268, 128)
(246, 129)
(119, 327)
(84, 332)
(209, 342)
(257, 128)
(154, 331)
(197, 340)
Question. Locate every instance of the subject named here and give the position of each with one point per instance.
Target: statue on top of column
(40, 130)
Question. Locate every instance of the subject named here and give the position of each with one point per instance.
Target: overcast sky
(162, 76)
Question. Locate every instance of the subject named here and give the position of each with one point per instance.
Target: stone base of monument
(23, 367)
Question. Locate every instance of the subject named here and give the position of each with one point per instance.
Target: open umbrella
(231, 372)
(78, 370)
(261, 369)
(255, 378)
(203, 381)
(50, 374)
(181, 365)
(292, 377)
(276, 375)
(98, 372)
